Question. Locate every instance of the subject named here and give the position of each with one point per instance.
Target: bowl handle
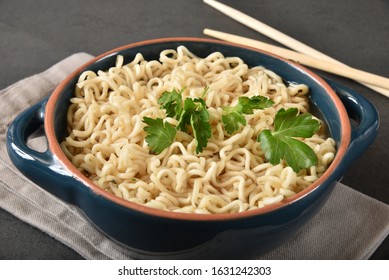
(40, 167)
(364, 120)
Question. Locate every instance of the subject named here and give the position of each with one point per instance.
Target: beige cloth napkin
(343, 229)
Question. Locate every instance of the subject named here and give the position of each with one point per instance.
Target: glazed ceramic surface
(150, 233)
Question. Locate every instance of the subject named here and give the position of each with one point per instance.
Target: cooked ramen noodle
(106, 139)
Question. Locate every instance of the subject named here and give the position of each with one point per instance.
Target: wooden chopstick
(284, 39)
(320, 64)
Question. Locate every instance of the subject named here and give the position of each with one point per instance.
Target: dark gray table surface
(36, 34)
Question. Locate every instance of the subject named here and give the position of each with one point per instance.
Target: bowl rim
(55, 148)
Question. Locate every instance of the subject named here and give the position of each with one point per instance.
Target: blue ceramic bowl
(150, 233)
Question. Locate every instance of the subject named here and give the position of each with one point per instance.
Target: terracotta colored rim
(56, 150)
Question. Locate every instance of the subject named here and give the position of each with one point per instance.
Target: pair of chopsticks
(303, 54)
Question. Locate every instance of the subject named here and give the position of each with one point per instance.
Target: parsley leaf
(280, 144)
(199, 121)
(160, 134)
(172, 103)
(231, 121)
(255, 102)
(184, 119)
(234, 115)
(289, 123)
(190, 113)
(196, 115)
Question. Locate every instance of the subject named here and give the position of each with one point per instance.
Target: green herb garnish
(172, 103)
(199, 120)
(233, 116)
(193, 113)
(160, 134)
(281, 144)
